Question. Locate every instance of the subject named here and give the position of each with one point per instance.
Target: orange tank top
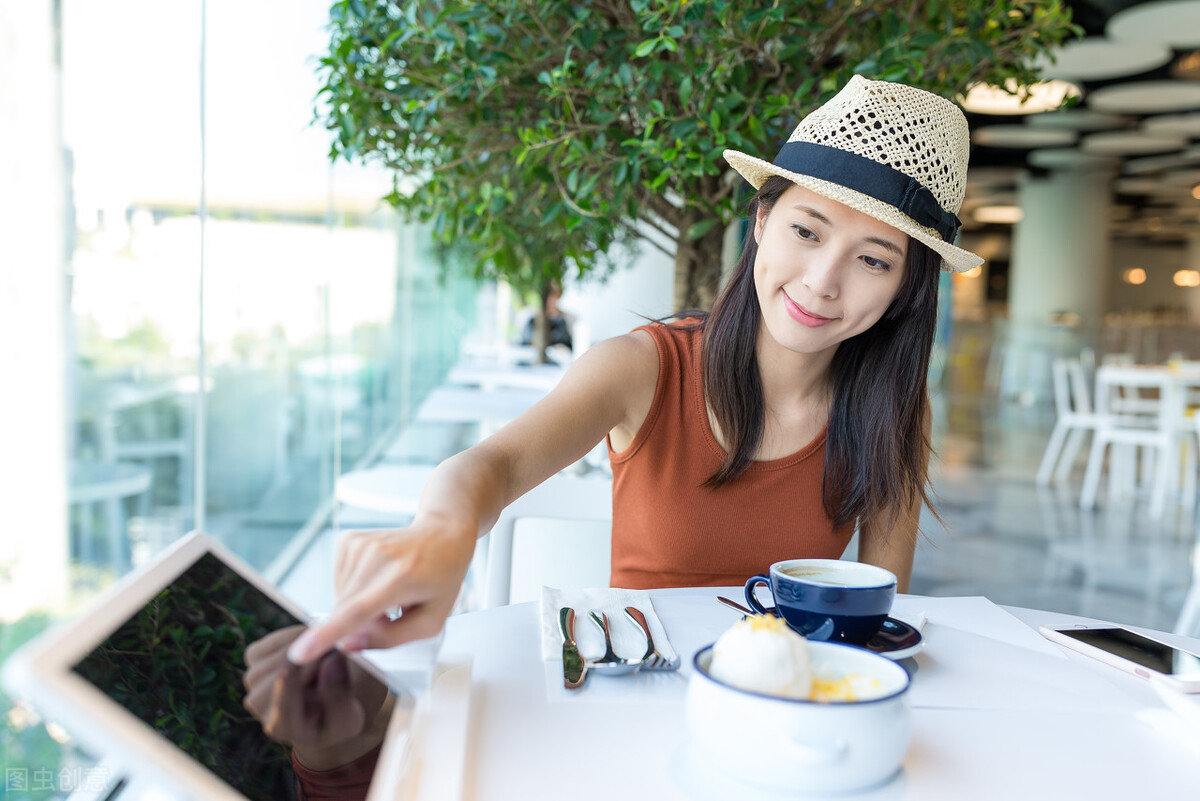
(671, 531)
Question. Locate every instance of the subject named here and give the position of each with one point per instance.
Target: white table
(1082, 741)
(391, 488)
(541, 377)
(491, 409)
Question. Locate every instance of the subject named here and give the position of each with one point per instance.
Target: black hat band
(885, 184)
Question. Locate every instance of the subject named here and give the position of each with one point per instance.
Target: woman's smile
(803, 315)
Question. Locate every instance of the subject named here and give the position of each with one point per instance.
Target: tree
(612, 114)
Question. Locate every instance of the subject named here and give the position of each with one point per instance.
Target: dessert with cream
(761, 654)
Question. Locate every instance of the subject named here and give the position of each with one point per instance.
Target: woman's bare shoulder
(637, 345)
(627, 366)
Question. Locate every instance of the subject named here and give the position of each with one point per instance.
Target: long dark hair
(877, 450)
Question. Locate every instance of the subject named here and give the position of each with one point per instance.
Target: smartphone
(1132, 652)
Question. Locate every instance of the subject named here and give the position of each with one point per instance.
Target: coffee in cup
(827, 599)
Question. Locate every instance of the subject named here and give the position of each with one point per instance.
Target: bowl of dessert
(769, 708)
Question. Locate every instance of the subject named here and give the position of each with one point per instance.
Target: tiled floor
(1020, 544)
(1003, 537)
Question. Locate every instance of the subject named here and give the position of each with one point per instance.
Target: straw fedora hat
(888, 150)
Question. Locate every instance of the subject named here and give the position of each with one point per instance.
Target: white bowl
(801, 745)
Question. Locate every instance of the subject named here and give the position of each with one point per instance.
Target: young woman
(770, 429)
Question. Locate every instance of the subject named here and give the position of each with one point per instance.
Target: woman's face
(824, 272)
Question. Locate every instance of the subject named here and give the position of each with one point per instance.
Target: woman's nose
(821, 278)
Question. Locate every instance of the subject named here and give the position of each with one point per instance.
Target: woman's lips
(804, 316)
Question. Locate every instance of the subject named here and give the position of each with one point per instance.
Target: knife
(574, 669)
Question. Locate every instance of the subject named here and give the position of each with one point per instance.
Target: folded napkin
(627, 637)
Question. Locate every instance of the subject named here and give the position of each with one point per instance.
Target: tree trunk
(698, 266)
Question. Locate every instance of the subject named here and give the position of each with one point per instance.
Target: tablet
(151, 676)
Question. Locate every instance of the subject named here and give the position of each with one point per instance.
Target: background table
(525, 743)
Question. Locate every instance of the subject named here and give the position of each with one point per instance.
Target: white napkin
(628, 639)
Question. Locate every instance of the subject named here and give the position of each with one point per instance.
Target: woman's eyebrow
(886, 245)
(883, 243)
(811, 212)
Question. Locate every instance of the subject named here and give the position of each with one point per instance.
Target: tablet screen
(178, 665)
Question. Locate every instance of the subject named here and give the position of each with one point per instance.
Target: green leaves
(699, 229)
(594, 114)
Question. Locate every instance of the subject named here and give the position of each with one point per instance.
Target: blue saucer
(895, 640)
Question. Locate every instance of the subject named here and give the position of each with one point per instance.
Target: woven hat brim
(756, 171)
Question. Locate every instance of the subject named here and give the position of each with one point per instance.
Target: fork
(610, 664)
(652, 660)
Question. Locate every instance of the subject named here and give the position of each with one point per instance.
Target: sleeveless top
(671, 531)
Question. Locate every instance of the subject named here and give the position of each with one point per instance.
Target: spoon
(734, 605)
(610, 664)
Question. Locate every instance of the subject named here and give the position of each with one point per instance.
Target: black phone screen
(1144, 651)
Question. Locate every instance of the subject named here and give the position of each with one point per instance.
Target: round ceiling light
(1172, 22)
(1013, 99)
(1118, 143)
(1186, 125)
(1187, 68)
(1078, 119)
(1153, 164)
(1137, 186)
(1067, 158)
(1186, 278)
(1135, 276)
(1178, 178)
(1146, 97)
(1021, 136)
(1097, 58)
(1003, 215)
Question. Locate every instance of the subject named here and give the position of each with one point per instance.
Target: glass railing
(324, 318)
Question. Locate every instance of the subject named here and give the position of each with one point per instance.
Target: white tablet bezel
(42, 673)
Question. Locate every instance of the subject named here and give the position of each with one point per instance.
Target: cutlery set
(576, 667)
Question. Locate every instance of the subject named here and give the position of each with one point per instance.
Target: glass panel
(324, 318)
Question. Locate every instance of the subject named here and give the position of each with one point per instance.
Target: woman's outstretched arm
(420, 568)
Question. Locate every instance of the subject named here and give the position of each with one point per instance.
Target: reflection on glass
(179, 663)
(325, 318)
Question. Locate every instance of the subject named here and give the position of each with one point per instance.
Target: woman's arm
(420, 568)
(891, 547)
(890, 540)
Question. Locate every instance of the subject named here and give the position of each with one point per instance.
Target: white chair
(1160, 432)
(1072, 401)
(1129, 399)
(564, 540)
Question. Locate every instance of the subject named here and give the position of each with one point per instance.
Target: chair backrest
(1062, 387)
(1121, 402)
(1072, 396)
(558, 533)
(1081, 392)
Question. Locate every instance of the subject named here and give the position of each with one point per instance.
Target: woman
(768, 430)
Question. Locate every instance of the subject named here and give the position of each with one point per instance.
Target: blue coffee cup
(827, 599)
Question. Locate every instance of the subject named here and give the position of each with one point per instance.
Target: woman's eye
(804, 232)
(876, 264)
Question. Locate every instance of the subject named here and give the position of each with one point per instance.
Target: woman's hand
(417, 570)
(330, 711)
